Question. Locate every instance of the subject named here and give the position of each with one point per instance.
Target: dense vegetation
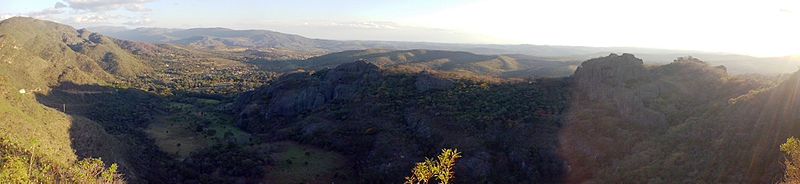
(192, 113)
(376, 116)
(20, 165)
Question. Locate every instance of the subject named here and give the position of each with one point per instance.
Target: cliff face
(629, 122)
(301, 92)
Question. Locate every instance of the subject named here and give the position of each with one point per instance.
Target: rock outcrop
(620, 80)
(622, 111)
(299, 92)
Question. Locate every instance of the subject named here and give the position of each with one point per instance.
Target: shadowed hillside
(685, 121)
(389, 120)
(80, 107)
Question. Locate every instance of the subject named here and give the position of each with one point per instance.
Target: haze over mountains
(225, 106)
(223, 38)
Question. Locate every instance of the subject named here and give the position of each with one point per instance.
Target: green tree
(791, 149)
(441, 169)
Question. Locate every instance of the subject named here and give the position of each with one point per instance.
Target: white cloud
(109, 5)
(6, 16)
(82, 13)
(139, 22)
(45, 13)
(93, 18)
(60, 5)
(366, 25)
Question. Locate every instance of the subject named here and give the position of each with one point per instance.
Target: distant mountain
(218, 38)
(259, 39)
(227, 39)
(505, 66)
(204, 112)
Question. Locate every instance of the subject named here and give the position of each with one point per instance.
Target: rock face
(300, 92)
(617, 79)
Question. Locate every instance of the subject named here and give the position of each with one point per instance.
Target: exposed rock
(299, 92)
(617, 79)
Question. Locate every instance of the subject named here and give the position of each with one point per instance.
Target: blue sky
(753, 27)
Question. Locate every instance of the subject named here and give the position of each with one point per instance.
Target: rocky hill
(387, 120)
(166, 113)
(672, 123)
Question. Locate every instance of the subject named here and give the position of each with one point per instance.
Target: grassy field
(296, 163)
(189, 128)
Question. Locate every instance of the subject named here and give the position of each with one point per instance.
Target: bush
(440, 169)
(792, 151)
(19, 165)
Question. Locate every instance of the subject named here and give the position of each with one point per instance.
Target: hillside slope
(387, 120)
(685, 121)
(39, 54)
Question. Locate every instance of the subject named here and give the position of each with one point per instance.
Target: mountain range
(223, 38)
(226, 106)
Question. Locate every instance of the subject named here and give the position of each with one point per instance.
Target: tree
(441, 169)
(791, 149)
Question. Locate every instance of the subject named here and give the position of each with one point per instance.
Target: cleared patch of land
(189, 128)
(296, 163)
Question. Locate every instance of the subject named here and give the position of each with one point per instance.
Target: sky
(751, 27)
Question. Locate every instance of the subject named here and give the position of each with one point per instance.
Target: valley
(209, 106)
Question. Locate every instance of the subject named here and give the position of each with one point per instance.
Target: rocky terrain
(631, 122)
(79, 106)
(387, 120)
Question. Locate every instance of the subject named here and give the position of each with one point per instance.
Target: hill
(685, 121)
(455, 62)
(38, 54)
(299, 47)
(72, 95)
(217, 109)
(388, 120)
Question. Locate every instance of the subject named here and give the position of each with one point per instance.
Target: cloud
(45, 13)
(94, 18)
(139, 22)
(93, 12)
(7, 16)
(59, 5)
(358, 25)
(109, 5)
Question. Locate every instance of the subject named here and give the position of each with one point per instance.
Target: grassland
(297, 163)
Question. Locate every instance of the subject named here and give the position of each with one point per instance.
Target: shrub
(440, 169)
(792, 151)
